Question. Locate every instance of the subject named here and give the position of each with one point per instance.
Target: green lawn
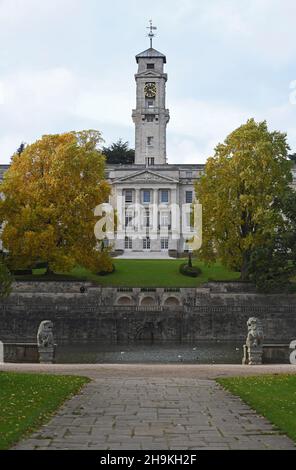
(143, 273)
(29, 400)
(155, 273)
(273, 396)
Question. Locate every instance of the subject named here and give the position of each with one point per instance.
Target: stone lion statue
(45, 334)
(255, 333)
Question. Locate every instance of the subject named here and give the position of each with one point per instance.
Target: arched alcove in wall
(125, 300)
(148, 300)
(172, 302)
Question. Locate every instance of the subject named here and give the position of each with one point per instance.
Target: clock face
(150, 90)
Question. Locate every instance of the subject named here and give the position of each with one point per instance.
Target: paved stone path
(153, 413)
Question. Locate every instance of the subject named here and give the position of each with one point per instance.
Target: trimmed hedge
(187, 270)
(22, 272)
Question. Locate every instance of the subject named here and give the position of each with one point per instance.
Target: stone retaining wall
(218, 311)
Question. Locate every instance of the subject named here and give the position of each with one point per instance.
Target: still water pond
(151, 353)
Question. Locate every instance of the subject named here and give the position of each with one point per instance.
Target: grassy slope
(156, 273)
(29, 400)
(148, 273)
(273, 396)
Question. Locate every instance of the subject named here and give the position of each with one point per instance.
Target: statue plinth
(46, 355)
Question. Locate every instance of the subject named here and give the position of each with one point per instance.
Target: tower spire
(151, 33)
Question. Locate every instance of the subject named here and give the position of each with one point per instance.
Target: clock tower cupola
(151, 116)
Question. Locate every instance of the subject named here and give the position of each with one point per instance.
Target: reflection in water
(149, 353)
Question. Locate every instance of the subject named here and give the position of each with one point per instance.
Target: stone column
(120, 207)
(138, 214)
(1, 352)
(154, 220)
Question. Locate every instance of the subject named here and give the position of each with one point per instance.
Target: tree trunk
(245, 266)
(190, 259)
(49, 272)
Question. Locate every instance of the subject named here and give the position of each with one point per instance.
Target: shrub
(191, 271)
(22, 272)
(5, 280)
(41, 265)
(105, 273)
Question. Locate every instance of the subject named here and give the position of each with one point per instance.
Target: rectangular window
(164, 242)
(150, 117)
(164, 219)
(146, 196)
(128, 196)
(188, 174)
(150, 66)
(150, 103)
(106, 243)
(189, 197)
(147, 218)
(128, 243)
(164, 196)
(150, 161)
(128, 219)
(146, 243)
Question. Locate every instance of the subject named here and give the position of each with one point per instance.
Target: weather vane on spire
(151, 33)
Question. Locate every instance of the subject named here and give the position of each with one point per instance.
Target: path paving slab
(151, 413)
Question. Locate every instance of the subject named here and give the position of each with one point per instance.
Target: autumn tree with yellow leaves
(239, 192)
(49, 195)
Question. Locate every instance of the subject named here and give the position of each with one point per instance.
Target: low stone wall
(26, 353)
(218, 311)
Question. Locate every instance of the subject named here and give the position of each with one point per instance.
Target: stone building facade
(153, 199)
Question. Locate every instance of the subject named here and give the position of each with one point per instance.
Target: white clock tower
(151, 116)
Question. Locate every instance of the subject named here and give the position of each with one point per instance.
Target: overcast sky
(69, 65)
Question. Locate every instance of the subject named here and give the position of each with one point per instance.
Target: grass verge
(272, 396)
(29, 400)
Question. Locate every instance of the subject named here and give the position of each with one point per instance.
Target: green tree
(21, 148)
(249, 172)
(5, 280)
(50, 193)
(272, 265)
(119, 153)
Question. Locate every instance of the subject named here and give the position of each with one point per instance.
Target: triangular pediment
(149, 74)
(146, 176)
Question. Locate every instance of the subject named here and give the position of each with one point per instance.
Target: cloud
(33, 100)
(25, 12)
(61, 71)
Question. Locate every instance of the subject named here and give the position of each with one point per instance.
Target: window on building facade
(129, 219)
(164, 243)
(150, 66)
(128, 243)
(146, 243)
(147, 218)
(150, 103)
(164, 218)
(150, 117)
(150, 161)
(189, 197)
(164, 195)
(128, 195)
(146, 196)
(189, 221)
(188, 174)
(106, 243)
